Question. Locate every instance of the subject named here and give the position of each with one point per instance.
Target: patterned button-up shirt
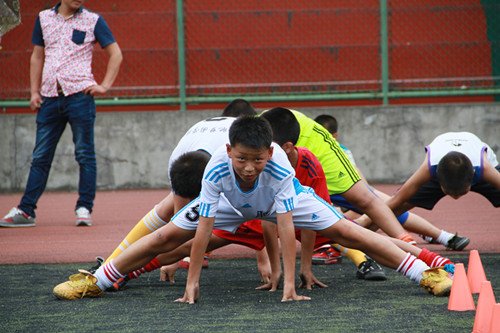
(68, 45)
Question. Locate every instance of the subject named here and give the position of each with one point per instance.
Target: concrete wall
(133, 147)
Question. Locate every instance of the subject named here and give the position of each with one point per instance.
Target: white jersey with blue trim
(206, 135)
(275, 190)
(464, 142)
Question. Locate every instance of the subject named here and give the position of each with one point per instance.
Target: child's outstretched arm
(307, 278)
(270, 235)
(399, 201)
(288, 248)
(490, 174)
(200, 243)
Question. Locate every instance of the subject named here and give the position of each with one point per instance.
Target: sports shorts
(311, 212)
(248, 234)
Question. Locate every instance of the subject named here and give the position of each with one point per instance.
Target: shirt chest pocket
(78, 36)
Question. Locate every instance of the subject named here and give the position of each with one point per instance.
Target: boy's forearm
(200, 243)
(491, 175)
(272, 245)
(307, 240)
(288, 248)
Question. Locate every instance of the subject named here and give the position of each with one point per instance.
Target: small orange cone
(460, 295)
(495, 319)
(484, 308)
(475, 272)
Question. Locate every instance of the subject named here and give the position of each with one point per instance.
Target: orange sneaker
(326, 256)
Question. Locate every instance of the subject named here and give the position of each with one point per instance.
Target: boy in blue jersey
(246, 179)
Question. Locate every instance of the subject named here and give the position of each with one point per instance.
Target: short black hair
(328, 122)
(186, 173)
(455, 173)
(285, 125)
(251, 131)
(238, 107)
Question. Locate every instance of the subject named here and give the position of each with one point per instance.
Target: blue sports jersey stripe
(277, 168)
(217, 173)
(216, 168)
(288, 203)
(297, 186)
(219, 176)
(285, 170)
(273, 174)
(204, 209)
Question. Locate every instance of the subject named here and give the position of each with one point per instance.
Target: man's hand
(96, 89)
(308, 281)
(35, 101)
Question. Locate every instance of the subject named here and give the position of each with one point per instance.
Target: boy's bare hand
(265, 273)
(308, 281)
(289, 297)
(273, 284)
(190, 295)
(168, 272)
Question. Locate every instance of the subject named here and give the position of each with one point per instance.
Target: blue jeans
(79, 111)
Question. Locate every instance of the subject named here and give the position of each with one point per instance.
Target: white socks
(412, 267)
(444, 237)
(107, 275)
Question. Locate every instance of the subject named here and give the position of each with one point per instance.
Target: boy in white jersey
(455, 163)
(409, 221)
(252, 178)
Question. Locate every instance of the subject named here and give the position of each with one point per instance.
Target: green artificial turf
(229, 303)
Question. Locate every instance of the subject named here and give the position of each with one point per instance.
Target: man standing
(63, 89)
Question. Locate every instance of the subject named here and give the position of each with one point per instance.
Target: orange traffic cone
(475, 272)
(495, 319)
(484, 308)
(460, 295)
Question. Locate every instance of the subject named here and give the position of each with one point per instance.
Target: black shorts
(430, 193)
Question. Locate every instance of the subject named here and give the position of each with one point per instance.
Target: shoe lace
(81, 280)
(365, 266)
(83, 212)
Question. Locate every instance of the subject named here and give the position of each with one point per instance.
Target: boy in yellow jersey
(341, 176)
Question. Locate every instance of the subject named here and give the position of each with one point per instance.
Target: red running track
(56, 239)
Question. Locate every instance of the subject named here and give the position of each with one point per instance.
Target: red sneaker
(326, 256)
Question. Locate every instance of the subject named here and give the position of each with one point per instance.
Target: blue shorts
(340, 201)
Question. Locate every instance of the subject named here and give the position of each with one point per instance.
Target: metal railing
(292, 51)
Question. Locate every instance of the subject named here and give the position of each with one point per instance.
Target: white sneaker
(83, 218)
